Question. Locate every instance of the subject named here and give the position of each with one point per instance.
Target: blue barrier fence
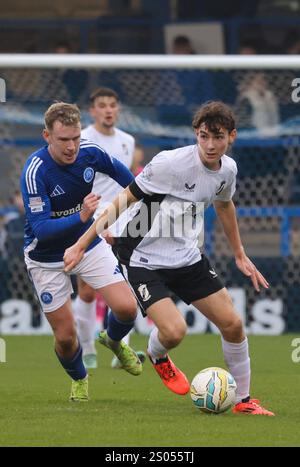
(285, 214)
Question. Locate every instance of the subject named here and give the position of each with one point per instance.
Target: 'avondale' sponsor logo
(67, 212)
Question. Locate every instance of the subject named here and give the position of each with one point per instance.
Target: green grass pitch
(139, 411)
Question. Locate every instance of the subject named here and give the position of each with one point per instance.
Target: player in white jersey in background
(175, 183)
(104, 110)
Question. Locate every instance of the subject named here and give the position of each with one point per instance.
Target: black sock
(247, 399)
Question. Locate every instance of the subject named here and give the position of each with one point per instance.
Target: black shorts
(189, 283)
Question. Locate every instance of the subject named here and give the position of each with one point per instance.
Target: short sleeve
(227, 193)
(156, 177)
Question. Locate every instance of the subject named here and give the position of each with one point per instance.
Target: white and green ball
(213, 390)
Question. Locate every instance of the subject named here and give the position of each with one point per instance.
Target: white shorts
(98, 268)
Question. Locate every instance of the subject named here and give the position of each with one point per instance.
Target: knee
(173, 335)
(233, 330)
(86, 293)
(126, 311)
(66, 340)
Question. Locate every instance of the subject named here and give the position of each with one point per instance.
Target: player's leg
(170, 327)
(68, 349)
(84, 308)
(120, 321)
(219, 309)
(100, 270)
(169, 330)
(53, 288)
(115, 363)
(200, 285)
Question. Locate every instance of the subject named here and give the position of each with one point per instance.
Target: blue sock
(74, 366)
(117, 329)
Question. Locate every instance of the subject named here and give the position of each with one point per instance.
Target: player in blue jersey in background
(56, 185)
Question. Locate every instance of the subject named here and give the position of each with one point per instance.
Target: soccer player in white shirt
(178, 181)
(104, 109)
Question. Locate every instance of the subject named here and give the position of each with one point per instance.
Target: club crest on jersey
(213, 273)
(147, 173)
(221, 187)
(46, 298)
(88, 174)
(125, 149)
(144, 292)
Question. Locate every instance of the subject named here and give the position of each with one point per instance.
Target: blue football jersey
(53, 195)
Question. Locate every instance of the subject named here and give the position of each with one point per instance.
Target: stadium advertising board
(267, 317)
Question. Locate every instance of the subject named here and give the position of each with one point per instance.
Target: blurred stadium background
(158, 104)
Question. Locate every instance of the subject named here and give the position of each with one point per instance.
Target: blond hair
(67, 114)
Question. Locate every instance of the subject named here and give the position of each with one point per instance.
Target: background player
(104, 109)
(56, 186)
(155, 264)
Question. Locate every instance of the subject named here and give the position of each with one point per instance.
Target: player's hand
(89, 206)
(248, 268)
(73, 256)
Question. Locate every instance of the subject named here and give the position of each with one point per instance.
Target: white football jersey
(177, 187)
(121, 146)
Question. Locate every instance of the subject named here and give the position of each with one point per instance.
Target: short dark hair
(67, 114)
(215, 114)
(103, 92)
(181, 41)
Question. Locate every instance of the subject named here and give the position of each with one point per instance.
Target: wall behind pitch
(267, 317)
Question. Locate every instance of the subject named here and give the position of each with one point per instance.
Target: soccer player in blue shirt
(56, 185)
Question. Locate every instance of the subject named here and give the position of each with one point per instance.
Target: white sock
(126, 338)
(85, 316)
(155, 348)
(238, 362)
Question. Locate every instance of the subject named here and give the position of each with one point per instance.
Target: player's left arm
(114, 168)
(227, 214)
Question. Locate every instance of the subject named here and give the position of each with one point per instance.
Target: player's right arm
(38, 207)
(155, 178)
(74, 254)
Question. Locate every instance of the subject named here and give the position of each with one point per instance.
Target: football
(213, 390)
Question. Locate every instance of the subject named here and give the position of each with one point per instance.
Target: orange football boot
(251, 407)
(172, 377)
